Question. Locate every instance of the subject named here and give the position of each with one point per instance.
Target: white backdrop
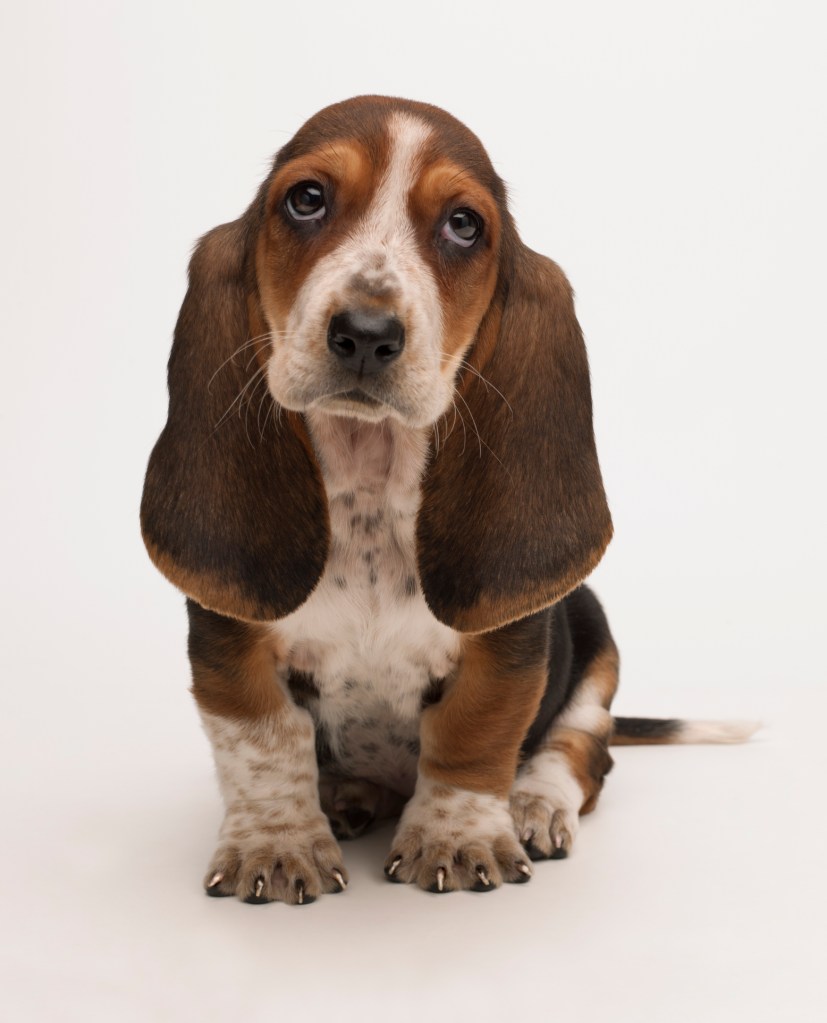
(672, 157)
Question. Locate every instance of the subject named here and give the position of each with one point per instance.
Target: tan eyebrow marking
(443, 179)
(341, 160)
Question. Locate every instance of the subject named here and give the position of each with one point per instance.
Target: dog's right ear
(233, 511)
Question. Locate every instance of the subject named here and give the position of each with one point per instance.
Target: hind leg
(352, 805)
(563, 777)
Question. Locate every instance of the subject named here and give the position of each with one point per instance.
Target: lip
(358, 397)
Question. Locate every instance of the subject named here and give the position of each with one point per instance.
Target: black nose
(364, 340)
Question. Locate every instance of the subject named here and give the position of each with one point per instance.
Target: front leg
(275, 842)
(457, 830)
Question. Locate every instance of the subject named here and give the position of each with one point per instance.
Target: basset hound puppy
(378, 488)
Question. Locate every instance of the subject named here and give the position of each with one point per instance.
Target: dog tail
(665, 731)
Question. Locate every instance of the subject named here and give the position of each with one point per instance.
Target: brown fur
(234, 511)
(529, 501)
(587, 751)
(466, 284)
(587, 756)
(233, 667)
(285, 256)
(604, 673)
(471, 738)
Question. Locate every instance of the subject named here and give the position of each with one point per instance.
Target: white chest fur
(366, 634)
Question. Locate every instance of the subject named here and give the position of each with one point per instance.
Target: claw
(481, 874)
(394, 866)
(340, 879)
(217, 878)
(300, 892)
(259, 887)
(440, 879)
(558, 841)
(526, 836)
(524, 869)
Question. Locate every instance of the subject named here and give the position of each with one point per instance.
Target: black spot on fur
(371, 522)
(349, 500)
(410, 586)
(340, 581)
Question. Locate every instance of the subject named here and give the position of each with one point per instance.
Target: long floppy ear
(513, 512)
(233, 510)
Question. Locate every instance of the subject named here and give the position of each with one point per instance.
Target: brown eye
(305, 201)
(463, 228)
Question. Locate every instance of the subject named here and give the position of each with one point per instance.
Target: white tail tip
(717, 731)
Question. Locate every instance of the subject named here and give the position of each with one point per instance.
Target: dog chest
(365, 635)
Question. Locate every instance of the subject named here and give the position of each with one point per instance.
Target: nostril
(388, 351)
(343, 346)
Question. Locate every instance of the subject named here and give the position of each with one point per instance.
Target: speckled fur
(450, 838)
(275, 842)
(366, 636)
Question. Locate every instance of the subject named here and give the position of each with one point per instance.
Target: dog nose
(364, 340)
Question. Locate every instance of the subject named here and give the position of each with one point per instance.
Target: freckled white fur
(365, 633)
(381, 250)
(450, 838)
(243, 749)
(264, 767)
(440, 811)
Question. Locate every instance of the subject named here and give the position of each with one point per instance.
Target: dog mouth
(350, 400)
(356, 401)
(358, 396)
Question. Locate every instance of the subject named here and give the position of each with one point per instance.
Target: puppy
(379, 490)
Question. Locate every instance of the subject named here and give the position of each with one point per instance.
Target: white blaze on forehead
(388, 215)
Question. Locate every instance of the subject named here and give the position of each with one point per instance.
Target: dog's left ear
(513, 512)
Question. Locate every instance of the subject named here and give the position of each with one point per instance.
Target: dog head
(377, 273)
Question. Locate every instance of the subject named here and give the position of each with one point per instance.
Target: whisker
(239, 397)
(482, 443)
(238, 351)
(258, 414)
(464, 431)
(473, 421)
(261, 379)
(467, 365)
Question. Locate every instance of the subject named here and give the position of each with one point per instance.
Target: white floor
(695, 891)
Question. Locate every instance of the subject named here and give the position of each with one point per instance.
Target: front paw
(269, 854)
(450, 838)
